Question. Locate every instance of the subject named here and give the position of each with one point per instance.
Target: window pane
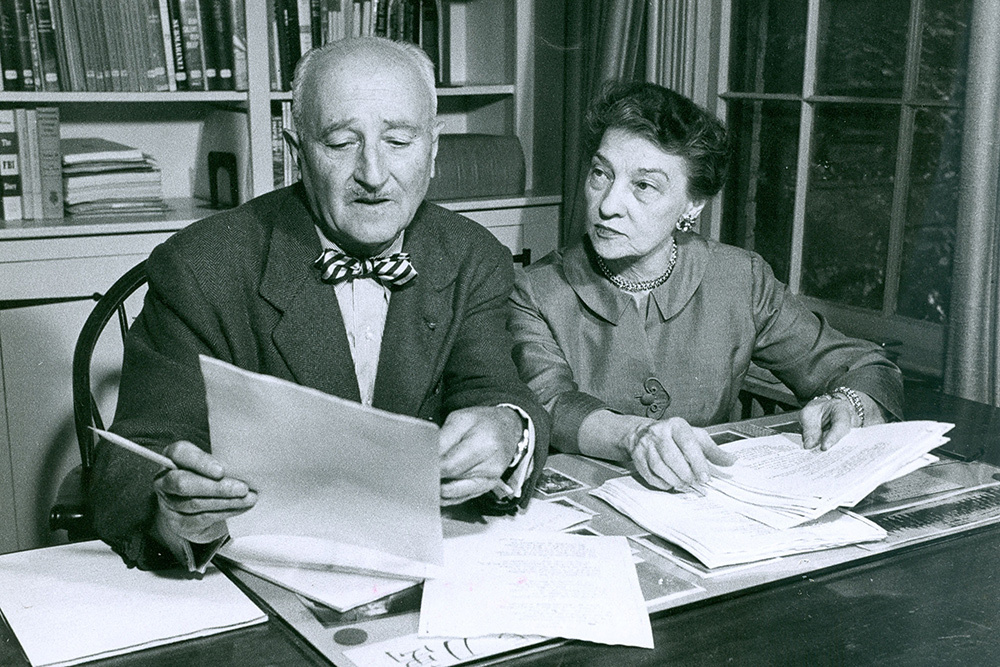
(768, 46)
(943, 49)
(849, 203)
(931, 208)
(760, 194)
(862, 48)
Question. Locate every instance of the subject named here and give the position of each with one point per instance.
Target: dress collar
(609, 302)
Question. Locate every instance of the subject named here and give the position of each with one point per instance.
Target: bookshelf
(492, 90)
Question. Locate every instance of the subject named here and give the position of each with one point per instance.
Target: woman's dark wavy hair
(671, 121)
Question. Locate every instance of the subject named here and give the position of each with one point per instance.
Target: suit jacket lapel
(310, 336)
(417, 323)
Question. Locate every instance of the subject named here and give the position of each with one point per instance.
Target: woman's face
(635, 192)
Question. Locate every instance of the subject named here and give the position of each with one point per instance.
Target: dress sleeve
(544, 368)
(810, 356)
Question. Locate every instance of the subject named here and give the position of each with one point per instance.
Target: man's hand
(672, 454)
(196, 499)
(826, 419)
(477, 445)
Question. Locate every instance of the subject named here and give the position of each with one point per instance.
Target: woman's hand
(672, 454)
(826, 419)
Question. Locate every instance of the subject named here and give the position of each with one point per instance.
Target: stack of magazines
(102, 177)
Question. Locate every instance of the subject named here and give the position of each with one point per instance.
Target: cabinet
(493, 67)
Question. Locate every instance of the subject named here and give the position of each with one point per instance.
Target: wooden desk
(932, 604)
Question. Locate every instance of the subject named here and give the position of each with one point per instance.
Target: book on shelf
(477, 165)
(66, 25)
(50, 162)
(77, 150)
(25, 165)
(49, 74)
(194, 50)
(173, 13)
(780, 499)
(10, 53)
(10, 171)
(237, 10)
(277, 152)
(27, 53)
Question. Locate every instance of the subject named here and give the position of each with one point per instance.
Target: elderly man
(347, 282)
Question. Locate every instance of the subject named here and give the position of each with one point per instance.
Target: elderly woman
(641, 332)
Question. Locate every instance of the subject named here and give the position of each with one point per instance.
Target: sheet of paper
(432, 652)
(327, 468)
(109, 608)
(552, 584)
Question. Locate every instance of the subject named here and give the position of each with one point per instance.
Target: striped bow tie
(394, 270)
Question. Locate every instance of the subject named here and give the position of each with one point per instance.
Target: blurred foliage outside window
(868, 123)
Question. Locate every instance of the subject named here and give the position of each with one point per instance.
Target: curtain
(972, 359)
(605, 41)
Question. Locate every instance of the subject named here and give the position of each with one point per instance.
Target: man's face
(367, 148)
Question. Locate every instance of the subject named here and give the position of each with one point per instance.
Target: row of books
(300, 25)
(31, 163)
(46, 176)
(286, 171)
(122, 45)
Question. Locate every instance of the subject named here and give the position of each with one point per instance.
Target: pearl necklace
(639, 285)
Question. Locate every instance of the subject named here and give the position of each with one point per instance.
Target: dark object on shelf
(477, 165)
(222, 171)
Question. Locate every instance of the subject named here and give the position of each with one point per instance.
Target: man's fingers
(195, 459)
(193, 485)
(459, 490)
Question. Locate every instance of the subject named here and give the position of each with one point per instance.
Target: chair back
(85, 409)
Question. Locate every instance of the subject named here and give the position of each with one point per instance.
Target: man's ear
(435, 135)
(292, 139)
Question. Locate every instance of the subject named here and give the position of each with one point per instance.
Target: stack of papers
(712, 531)
(102, 177)
(780, 499)
(78, 602)
(781, 484)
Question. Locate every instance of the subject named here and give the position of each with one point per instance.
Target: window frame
(920, 344)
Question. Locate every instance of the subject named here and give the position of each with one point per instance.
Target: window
(846, 120)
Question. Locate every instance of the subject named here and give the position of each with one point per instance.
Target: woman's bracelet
(852, 398)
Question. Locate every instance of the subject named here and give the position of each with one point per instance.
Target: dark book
(218, 31)
(237, 11)
(429, 42)
(316, 22)
(25, 26)
(177, 43)
(277, 151)
(209, 45)
(286, 20)
(10, 52)
(191, 33)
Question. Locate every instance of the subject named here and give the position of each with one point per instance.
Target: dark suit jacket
(240, 286)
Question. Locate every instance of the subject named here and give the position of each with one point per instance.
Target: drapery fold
(972, 360)
(605, 41)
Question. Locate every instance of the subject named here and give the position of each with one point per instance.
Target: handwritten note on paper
(553, 584)
(412, 650)
(327, 469)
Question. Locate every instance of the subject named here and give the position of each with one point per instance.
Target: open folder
(340, 485)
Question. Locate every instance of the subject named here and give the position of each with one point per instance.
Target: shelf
(485, 90)
(182, 213)
(130, 97)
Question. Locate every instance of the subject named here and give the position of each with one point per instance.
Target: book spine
(222, 15)
(382, 19)
(209, 45)
(129, 29)
(10, 172)
(274, 45)
(277, 152)
(62, 57)
(68, 33)
(24, 164)
(26, 47)
(90, 57)
(194, 57)
(303, 14)
(166, 44)
(156, 55)
(10, 52)
(177, 43)
(237, 10)
(429, 35)
(317, 23)
(48, 55)
(50, 162)
(34, 167)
